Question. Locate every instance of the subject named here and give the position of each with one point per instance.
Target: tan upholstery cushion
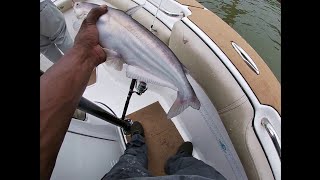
(227, 96)
(204, 66)
(238, 122)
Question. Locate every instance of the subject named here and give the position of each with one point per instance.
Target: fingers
(100, 53)
(95, 13)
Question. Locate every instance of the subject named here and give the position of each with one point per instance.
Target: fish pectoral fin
(142, 75)
(134, 9)
(111, 53)
(114, 59)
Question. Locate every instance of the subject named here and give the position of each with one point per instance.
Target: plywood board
(162, 137)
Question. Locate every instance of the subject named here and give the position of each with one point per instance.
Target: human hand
(87, 39)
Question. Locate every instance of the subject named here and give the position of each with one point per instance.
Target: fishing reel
(141, 88)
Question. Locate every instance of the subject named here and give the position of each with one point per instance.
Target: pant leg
(53, 27)
(133, 163)
(49, 49)
(184, 164)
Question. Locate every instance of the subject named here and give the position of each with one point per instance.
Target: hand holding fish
(61, 87)
(87, 39)
(147, 58)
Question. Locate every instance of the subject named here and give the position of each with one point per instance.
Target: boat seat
(144, 18)
(226, 95)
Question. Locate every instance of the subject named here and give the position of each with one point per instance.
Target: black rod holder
(133, 82)
(93, 109)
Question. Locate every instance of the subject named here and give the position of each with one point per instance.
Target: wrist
(88, 55)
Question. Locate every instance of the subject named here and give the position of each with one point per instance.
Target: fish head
(81, 9)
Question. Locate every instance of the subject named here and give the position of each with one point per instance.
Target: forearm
(61, 88)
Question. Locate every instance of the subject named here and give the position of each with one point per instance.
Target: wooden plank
(162, 137)
(265, 85)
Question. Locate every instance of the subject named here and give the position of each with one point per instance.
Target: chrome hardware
(273, 135)
(246, 58)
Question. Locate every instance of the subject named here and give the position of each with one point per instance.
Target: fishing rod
(95, 110)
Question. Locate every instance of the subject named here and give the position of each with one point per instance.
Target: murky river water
(258, 22)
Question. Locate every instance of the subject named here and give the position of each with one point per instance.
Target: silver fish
(148, 58)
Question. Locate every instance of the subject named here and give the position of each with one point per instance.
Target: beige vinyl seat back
(144, 18)
(227, 96)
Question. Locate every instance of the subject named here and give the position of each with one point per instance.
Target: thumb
(95, 13)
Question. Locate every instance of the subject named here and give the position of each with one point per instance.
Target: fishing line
(107, 107)
(154, 18)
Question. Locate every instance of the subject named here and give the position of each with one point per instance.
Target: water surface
(258, 22)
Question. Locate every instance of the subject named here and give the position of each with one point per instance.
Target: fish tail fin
(181, 103)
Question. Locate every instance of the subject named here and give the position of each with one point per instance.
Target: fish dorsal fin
(142, 75)
(134, 9)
